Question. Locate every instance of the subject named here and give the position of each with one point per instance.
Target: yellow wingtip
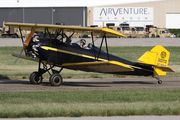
(107, 30)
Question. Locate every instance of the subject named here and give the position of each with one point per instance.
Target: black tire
(159, 82)
(55, 79)
(35, 78)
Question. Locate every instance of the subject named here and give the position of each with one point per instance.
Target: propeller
(26, 43)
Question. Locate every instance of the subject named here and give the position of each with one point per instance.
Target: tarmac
(110, 41)
(105, 84)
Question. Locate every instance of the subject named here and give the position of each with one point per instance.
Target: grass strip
(93, 103)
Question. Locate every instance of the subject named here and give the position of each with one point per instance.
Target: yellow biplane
(54, 52)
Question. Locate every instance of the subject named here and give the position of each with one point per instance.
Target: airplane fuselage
(59, 53)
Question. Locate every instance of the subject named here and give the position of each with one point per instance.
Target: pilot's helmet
(84, 41)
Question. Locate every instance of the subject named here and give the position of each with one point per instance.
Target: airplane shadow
(103, 84)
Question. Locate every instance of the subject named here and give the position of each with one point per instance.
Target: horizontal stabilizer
(167, 69)
(103, 67)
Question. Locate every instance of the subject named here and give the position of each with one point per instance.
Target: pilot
(83, 43)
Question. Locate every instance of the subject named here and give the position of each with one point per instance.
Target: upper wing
(103, 67)
(54, 28)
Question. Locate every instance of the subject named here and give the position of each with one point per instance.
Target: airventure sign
(134, 16)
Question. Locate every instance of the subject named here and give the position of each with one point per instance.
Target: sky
(66, 3)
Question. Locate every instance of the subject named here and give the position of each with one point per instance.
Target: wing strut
(106, 47)
(104, 37)
(68, 37)
(58, 32)
(21, 35)
(93, 45)
(23, 42)
(49, 33)
(62, 35)
(100, 47)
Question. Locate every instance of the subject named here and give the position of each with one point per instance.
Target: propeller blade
(27, 42)
(18, 56)
(29, 37)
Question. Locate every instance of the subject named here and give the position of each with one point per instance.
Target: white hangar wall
(163, 14)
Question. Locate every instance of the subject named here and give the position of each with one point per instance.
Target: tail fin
(157, 57)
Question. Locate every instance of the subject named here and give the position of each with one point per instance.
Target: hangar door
(172, 20)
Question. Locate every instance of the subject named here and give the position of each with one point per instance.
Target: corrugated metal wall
(45, 15)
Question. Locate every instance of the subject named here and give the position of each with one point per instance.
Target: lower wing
(103, 67)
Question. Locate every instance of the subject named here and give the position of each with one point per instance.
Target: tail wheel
(159, 82)
(35, 78)
(55, 79)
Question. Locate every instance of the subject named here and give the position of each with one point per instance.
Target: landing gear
(159, 81)
(35, 78)
(55, 78)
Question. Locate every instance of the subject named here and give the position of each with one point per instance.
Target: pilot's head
(83, 42)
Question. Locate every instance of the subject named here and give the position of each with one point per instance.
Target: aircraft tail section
(157, 57)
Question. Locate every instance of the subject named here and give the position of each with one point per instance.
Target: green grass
(90, 103)
(23, 68)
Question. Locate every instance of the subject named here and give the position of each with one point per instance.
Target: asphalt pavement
(110, 41)
(105, 84)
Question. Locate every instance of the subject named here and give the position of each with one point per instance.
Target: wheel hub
(56, 80)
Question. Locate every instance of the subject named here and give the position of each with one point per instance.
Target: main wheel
(55, 79)
(35, 78)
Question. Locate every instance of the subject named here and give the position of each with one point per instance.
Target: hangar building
(162, 13)
(44, 15)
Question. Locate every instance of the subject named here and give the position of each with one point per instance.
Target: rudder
(157, 57)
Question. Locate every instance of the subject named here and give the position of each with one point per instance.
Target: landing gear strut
(159, 81)
(55, 78)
